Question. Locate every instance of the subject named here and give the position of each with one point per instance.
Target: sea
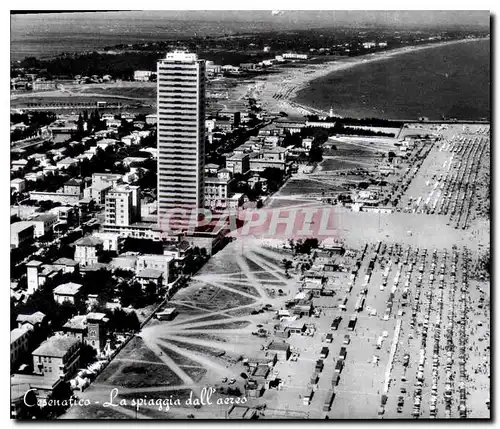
(46, 35)
(442, 81)
(450, 81)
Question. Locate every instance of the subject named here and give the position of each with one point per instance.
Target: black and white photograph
(250, 214)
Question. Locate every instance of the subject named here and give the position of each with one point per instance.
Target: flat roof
(17, 333)
(236, 156)
(44, 217)
(36, 317)
(20, 226)
(280, 346)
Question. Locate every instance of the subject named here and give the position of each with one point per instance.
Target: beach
(277, 92)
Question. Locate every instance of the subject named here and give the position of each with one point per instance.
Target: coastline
(277, 92)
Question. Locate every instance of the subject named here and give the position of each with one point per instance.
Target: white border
(185, 5)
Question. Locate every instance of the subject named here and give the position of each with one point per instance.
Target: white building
(87, 250)
(19, 342)
(123, 205)
(111, 241)
(43, 223)
(181, 135)
(21, 232)
(18, 185)
(143, 75)
(156, 262)
(294, 56)
(67, 292)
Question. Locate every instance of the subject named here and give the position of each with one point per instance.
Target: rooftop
(88, 241)
(97, 317)
(211, 166)
(94, 267)
(277, 149)
(39, 382)
(182, 56)
(209, 180)
(76, 322)
(37, 317)
(67, 161)
(17, 333)
(56, 346)
(44, 217)
(279, 345)
(67, 289)
(236, 156)
(65, 261)
(20, 226)
(101, 186)
(73, 182)
(150, 273)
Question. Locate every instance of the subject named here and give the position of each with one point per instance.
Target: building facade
(57, 357)
(123, 205)
(181, 137)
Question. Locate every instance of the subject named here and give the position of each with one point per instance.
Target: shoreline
(278, 92)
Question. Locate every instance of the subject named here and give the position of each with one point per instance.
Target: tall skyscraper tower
(181, 137)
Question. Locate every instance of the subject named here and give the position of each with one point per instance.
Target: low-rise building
(37, 274)
(19, 343)
(269, 158)
(151, 119)
(111, 242)
(55, 197)
(43, 223)
(108, 178)
(87, 250)
(21, 233)
(217, 191)
(76, 327)
(98, 192)
(18, 185)
(67, 265)
(73, 186)
(239, 163)
(150, 275)
(282, 349)
(65, 163)
(67, 292)
(34, 321)
(144, 75)
(294, 56)
(162, 263)
(57, 357)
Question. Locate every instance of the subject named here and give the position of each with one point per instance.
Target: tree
(87, 355)
(131, 294)
(79, 126)
(391, 155)
(151, 292)
(287, 264)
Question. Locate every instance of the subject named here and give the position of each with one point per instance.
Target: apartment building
(123, 205)
(181, 137)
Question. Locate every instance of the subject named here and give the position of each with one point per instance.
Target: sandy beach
(276, 92)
